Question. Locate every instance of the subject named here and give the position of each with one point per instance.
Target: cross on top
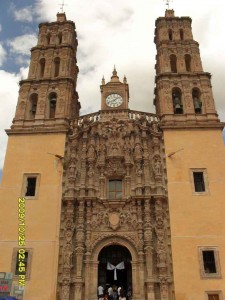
(168, 3)
(62, 6)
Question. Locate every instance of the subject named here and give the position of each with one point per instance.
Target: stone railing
(123, 114)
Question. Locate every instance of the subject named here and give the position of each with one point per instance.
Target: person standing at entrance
(122, 294)
(100, 291)
(110, 293)
(115, 294)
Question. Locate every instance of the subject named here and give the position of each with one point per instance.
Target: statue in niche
(115, 150)
(139, 174)
(138, 151)
(157, 167)
(91, 152)
(72, 169)
(161, 254)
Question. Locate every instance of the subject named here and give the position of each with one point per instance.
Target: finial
(168, 3)
(124, 79)
(114, 71)
(62, 6)
(103, 80)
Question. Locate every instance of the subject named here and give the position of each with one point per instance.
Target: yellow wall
(29, 154)
(195, 220)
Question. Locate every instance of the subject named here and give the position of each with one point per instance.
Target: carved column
(146, 168)
(67, 252)
(83, 166)
(88, 246)
(79, 249)
(160, 230)
(140, 246)
(94, 280)
(148, 247)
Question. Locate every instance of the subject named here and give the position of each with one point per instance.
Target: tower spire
(62, 6)
(168, 3)
(114, 71)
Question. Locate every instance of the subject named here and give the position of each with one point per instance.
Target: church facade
(116, 197)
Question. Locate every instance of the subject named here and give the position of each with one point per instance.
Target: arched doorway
(115, 255)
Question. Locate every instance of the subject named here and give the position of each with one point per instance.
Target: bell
(197, 106)
(53, 102)
(178, 109)
(34, 108)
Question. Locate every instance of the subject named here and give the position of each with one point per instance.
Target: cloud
(120, 32)
(0, 27)
(8, 99)
(22, 44)
(24, 14)
(2, 55)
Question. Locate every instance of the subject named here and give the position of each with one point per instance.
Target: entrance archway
(114, 255)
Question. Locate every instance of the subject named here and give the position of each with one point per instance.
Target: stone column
(93, 281)
(148, 247)
(141, 271)
(135, 281)
(160, 229)
(79, 250)
(67, 250)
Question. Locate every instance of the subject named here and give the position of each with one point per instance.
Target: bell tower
(48, 97)
(183, 92)
(33, 167)
(194, 153)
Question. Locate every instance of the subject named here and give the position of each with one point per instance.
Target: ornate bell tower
(35, 153)
(183, 93)
(48, 97)
(194, 152)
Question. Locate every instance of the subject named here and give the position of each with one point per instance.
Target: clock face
(114, 100)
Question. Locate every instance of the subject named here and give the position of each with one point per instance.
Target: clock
(114, 100)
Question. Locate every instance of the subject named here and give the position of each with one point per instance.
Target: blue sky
(119, 32)
(12, 27)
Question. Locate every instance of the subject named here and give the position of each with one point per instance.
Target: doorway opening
(113, 256)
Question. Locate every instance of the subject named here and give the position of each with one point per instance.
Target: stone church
(115, 187)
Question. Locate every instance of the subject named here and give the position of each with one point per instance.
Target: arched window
(56, 66)
(42, 67)
(52, 105)
(170, 34)
(196, 94)
(173, 63)
(60, 38)
(187, 58)
(48, 39)
(181, 34)
(177, 101)
(33, 106)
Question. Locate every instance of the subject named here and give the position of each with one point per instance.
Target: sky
(118, 32)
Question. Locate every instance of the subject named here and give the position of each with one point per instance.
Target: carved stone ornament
(114, 220)
(115, 168)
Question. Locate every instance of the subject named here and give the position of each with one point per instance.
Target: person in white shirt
(100, 291)
(110, 293)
